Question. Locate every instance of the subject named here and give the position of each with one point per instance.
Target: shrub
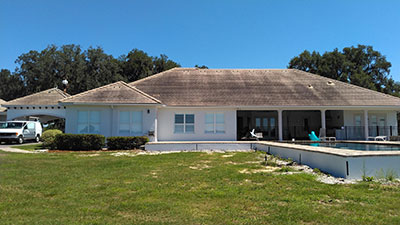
(126, 143)
(141, 140)
(48, 137)
(79, 142)
(367, 179)
(316, 170)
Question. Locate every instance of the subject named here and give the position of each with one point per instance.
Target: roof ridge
(347, 84)
(89, 91)
(141, 92)
(133, 83)
(193, 68)
(34, 94)
(63, 93)
(154, 75)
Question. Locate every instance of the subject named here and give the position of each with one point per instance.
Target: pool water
(357, 146)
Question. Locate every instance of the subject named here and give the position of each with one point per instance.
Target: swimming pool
(357, 146)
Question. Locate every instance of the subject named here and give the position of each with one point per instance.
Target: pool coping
(324, 150)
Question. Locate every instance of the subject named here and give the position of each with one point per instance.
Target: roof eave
(288, 107)
(105, 103)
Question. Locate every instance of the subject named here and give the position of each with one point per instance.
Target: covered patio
(289, 124)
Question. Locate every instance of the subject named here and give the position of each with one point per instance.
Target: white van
(20, 131)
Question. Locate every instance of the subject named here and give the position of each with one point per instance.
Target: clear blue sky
(216, 33)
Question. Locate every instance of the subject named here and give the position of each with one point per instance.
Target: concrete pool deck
(344, 163)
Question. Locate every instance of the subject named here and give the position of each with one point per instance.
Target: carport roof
(48, 97)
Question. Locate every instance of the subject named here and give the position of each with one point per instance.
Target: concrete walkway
(9, 148)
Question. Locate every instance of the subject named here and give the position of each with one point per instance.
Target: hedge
(79, 142)
(48, 138)
(126, 143)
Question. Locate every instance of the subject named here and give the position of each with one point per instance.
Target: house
(188, 104)
(43, 105)
(3, 111)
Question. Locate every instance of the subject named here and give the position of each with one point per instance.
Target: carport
(43, 105)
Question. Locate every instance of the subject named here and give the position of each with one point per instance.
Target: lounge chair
(323, 137)
(378, 138)
(257, 136)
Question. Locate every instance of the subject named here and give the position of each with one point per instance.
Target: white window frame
(215, 130)
(184, 124)
(88, 122)
(378, 116)
(131, 132)
(355, 120)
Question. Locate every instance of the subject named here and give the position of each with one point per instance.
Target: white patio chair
(257, 136)
(378, 138)
(323, 137)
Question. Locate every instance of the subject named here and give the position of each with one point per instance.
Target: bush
(126, 143)
(48, 137)
(79, 142)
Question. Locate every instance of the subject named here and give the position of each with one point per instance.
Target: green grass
(180, 188)
(31, 147)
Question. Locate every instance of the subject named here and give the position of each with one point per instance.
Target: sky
(215, 33)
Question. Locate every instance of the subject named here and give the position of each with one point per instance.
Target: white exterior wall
(109, 118)
(57, 111)
(166, 119)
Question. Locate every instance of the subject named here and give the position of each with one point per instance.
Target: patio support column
(323, 120)
(155, 124)
(280, 127)
(366, 124)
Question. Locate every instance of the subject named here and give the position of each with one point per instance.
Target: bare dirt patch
(267, 169)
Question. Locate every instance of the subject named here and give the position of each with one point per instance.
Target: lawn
(179, 188)
(31, 147)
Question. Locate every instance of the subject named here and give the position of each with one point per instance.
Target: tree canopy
(361, 66)
(84, 69)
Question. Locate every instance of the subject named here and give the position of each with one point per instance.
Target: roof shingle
(48, 97)
(115, 93)
(256, 87)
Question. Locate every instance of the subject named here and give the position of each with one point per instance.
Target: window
(88, 122)
(130, 123)
(184, 123)
(31, 126)
(258, 123)
(265, 124)
(357, 120)
(215, 123)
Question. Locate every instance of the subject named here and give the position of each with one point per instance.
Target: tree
(136, 65)
(201, 67)
(11, 85)
(361, 65)
(101, 69)
(46, 69)
(84, 70)
(162, 63)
